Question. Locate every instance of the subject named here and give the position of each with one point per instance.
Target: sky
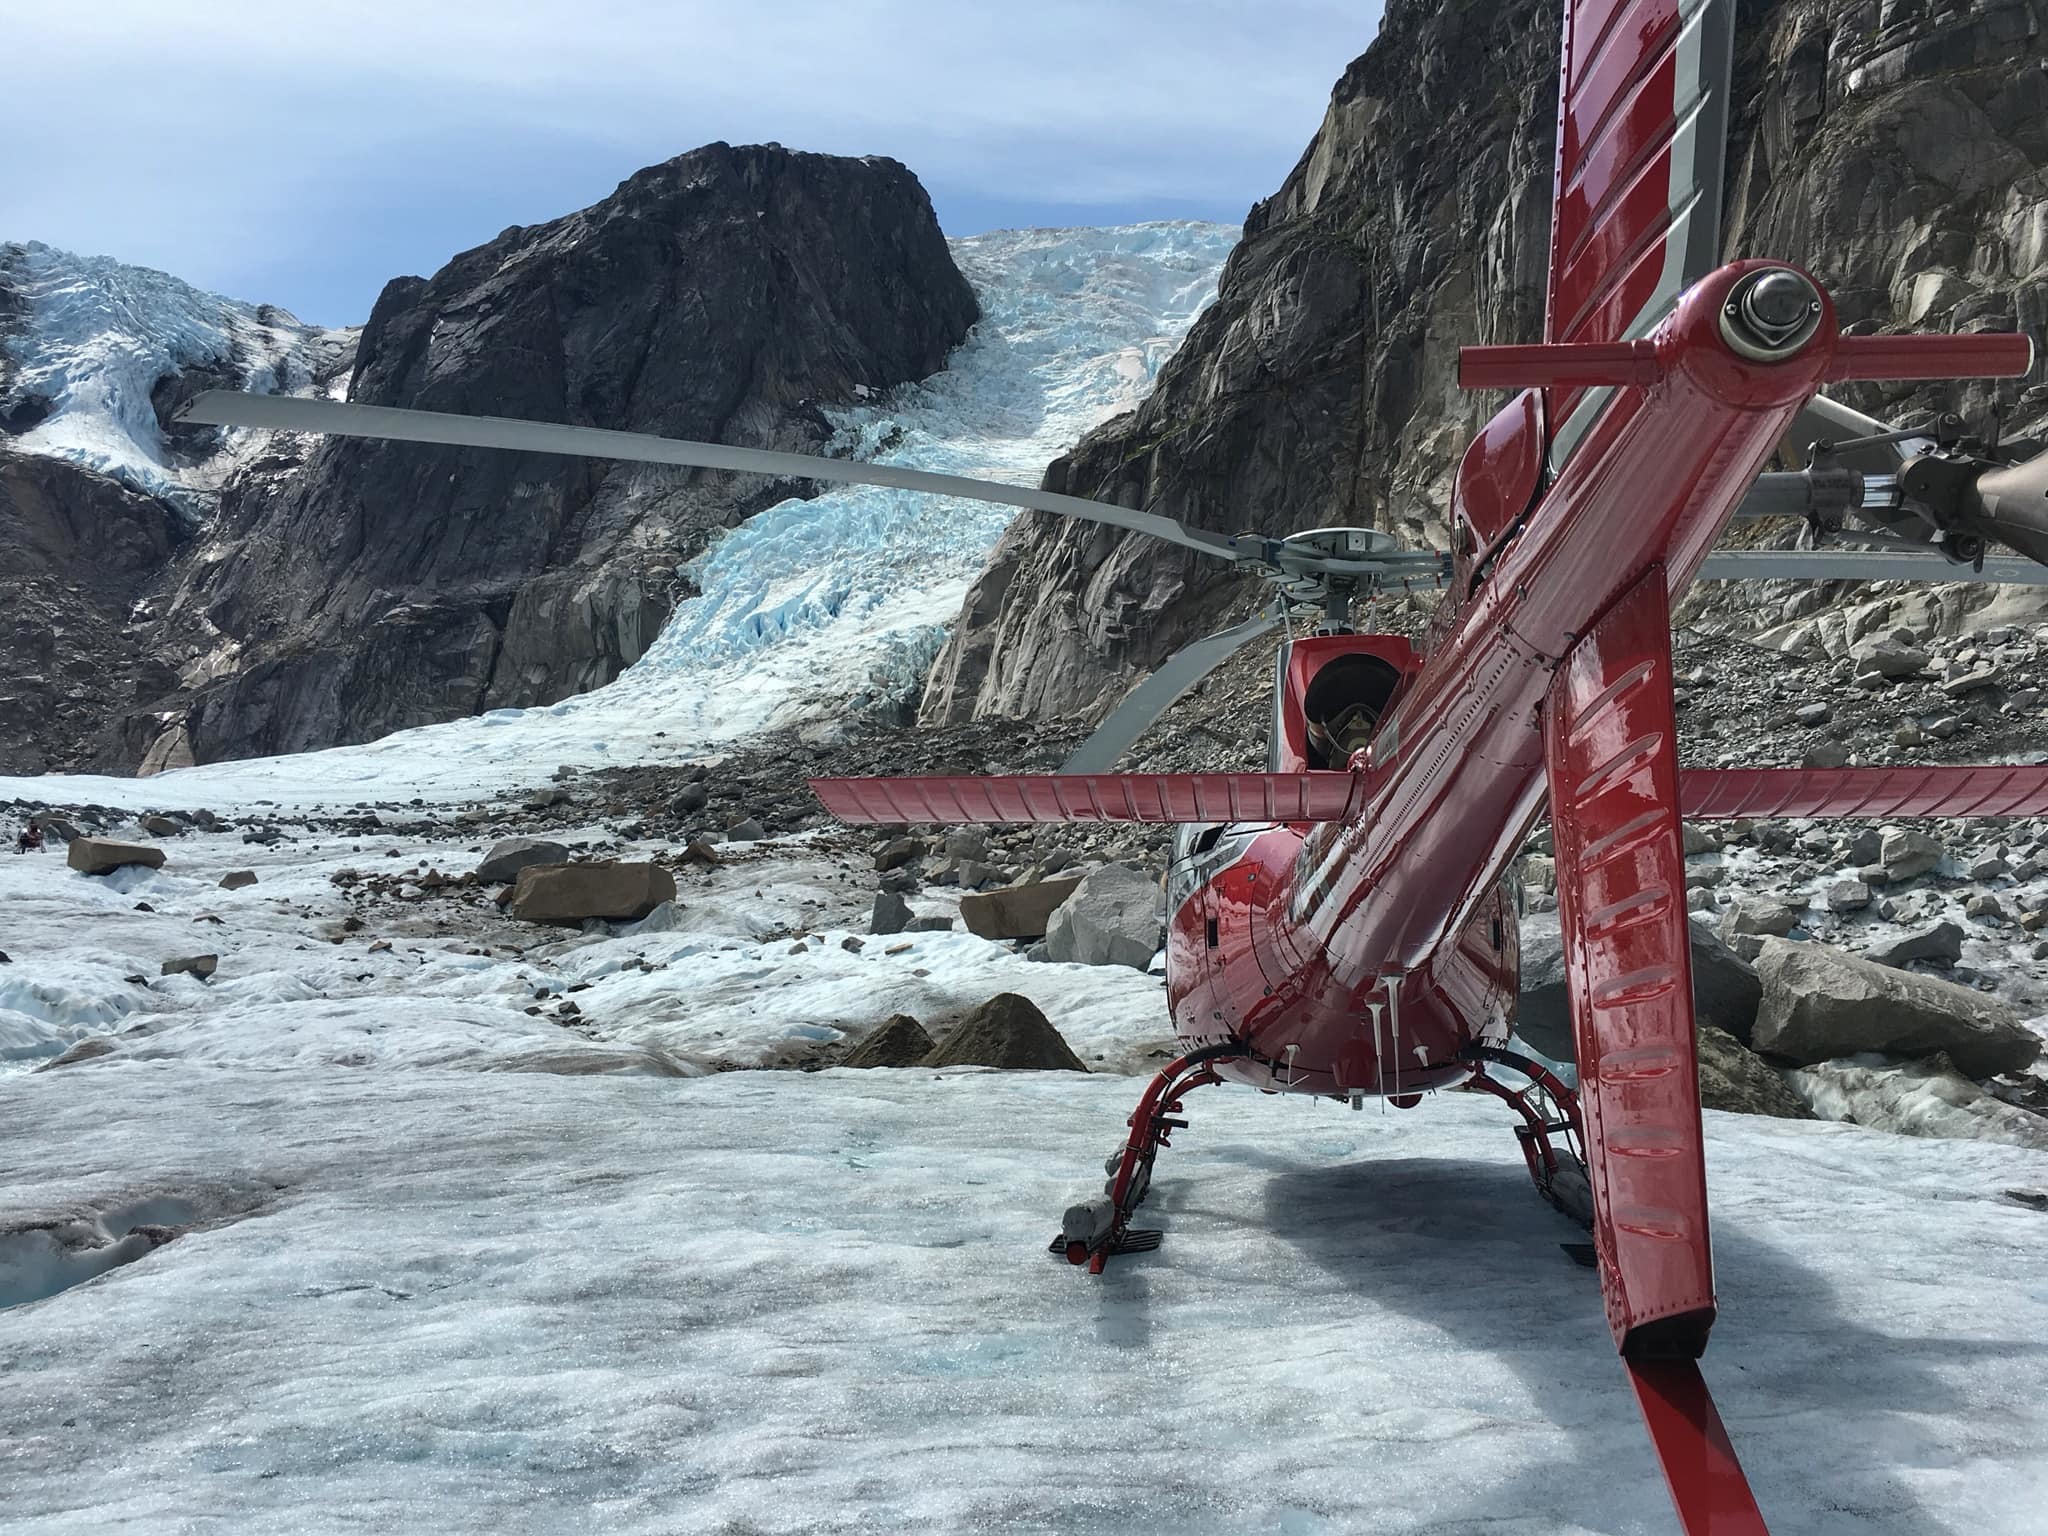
(302, 152)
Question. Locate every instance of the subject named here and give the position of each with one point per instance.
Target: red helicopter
(1344, 923)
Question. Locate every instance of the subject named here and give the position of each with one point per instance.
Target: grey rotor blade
(1863, 565)
(1151, 698)
(232, 408)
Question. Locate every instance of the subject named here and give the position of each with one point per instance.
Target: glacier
(820, 609)
(93, 336)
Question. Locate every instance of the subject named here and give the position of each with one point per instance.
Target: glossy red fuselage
(1369, 955)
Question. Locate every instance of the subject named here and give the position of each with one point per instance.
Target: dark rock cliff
(1896, 148)
(357, 588)
(77, 551)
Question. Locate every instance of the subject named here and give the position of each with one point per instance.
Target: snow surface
(812, 609)
(97, 336)
(777, 1302)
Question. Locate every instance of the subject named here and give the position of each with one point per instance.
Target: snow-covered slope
(87, 339)
(816, 610)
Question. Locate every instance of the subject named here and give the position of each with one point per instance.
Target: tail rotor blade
(231, 408)
(1151, 698)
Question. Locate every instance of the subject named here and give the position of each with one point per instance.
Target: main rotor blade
(1863, 565)
(1151, 698)
(232, 408)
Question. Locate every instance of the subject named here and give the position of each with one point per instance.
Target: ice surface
(784, 1302)
(814, 609)
(714, 984)
(98, 335)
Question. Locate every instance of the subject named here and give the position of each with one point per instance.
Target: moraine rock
(1015, 911)
(1888, 658)
(237, 879)
(202, 966)
(899, 1042)
(1112, 918)
(1942, 944)
(1847, 895)
(899, 851)
(1006, 1031)
(574, 893)
(746, 831)
(100, 856)
(1735, 1078)
(1819, 1004)
(1906, 854)
(891, 913)
(1753, 915)
(161, 826)
(510, 855)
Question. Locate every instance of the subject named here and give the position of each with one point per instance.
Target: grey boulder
(574, 893)
(507, 857)
(101, 856)
(1819, 1004)
(1015, 911)
(1114, 917)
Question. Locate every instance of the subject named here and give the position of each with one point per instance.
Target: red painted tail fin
(1641, 139)
(1046, 797)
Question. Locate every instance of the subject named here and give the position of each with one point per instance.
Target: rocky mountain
(1893, 146)
(725, 295)
(313, 592)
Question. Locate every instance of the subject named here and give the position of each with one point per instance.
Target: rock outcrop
(723, 295)
(77, 551)
(1892, 147)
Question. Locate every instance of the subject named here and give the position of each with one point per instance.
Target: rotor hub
(1771, 314)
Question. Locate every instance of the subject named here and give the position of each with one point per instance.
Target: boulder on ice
(573, 893)
(1819, 1004)
(101, 856)
(1006, 1031)
(508, 856)
(1114, 917)
(1016, 911)
(898, 1042)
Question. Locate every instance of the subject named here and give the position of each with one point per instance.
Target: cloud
(242, 141)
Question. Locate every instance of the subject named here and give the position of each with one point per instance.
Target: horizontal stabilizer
(1996, 790)
(1047, 797)
(1865, 565)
